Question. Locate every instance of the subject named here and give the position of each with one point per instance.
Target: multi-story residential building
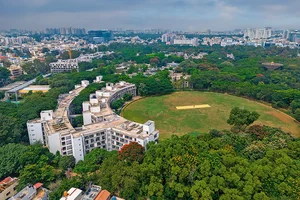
(102, 127)
(32, 192)
(8, 187)
(64, 66)
(15, 71)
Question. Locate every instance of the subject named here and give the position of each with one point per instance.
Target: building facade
(64, 66)
(102, 127)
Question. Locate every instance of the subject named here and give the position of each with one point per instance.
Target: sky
(182, 15)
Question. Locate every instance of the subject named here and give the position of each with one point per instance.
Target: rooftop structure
(92, 193)
(272, 65)
(8, 187)
(102, 127)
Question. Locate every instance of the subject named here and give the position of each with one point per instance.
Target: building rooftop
(92, 193)
(72, 194)
(103, 195)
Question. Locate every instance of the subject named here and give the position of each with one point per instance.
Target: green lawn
(169, 120)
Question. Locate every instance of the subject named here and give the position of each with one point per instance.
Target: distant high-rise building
(294, 37)
(100, 36)
(208, 31)
(168, 38)
(263, 33)
(65, 31)
(286, 34)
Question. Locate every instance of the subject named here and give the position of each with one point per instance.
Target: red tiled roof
(103, 195)
(6, 180)
(38, 185)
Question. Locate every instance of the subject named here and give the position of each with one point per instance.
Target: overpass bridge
(15, 90)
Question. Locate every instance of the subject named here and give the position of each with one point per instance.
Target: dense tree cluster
(202, 166)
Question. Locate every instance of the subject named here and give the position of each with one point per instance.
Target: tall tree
(241, 118)
(132, 152)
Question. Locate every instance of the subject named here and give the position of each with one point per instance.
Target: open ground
(169, 120)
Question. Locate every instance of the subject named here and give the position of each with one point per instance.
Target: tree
(10, 130)
(241, 118)
(4, 75)
(131, 152)
(297, 114)
(10, 159)
(117, 104)
(257, 130)
(127, 97)
(66, 162)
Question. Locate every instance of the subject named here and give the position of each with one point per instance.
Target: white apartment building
(102, 127)
(64, 66)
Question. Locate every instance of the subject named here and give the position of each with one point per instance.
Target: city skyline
(182, 15)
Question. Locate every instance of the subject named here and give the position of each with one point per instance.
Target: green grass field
(169, 120)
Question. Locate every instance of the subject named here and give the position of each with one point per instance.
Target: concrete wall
(54, 143)
(78, 148)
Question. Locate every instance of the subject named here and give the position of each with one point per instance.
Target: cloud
(137, 14)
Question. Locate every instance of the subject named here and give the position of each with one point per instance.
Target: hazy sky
(189, 15)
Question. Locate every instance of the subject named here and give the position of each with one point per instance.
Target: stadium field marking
(192, 107)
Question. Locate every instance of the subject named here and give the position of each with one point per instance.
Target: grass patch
(169, 120)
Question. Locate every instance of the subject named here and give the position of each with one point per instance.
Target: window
(92, 140)
(98, 134)
(102, 133)
(63, 143)
(68, 137)
(7, 193)
(98, 144)
(98, 139)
